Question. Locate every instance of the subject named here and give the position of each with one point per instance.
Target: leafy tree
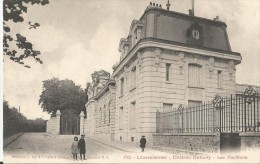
(62, 94)
(13, 11)
(13, 121)
(36, 125)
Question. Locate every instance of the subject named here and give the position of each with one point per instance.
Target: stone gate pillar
(81, 115)
(58, 122)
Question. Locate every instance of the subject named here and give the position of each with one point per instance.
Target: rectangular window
(133, 119)
(192, 103)
(121, 115)
(100, 115)
(167, 107)
(195, 75)
(135, 36)
(109, 114)
(104, 113)
(219, 79)
(167, 71)
(133, 77)
(122, 86)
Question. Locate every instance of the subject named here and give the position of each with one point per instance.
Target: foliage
(62, 94)
(14, 122)
(37, 125)
(13, 10)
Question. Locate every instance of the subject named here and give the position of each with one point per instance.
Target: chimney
(216, 19)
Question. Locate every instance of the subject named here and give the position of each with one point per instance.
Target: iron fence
(239, 113)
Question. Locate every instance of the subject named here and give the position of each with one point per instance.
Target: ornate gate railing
(237, 113)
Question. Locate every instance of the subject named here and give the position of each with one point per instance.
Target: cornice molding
(89, 101)
(157, 43)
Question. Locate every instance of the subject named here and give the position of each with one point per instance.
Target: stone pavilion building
(167, 59)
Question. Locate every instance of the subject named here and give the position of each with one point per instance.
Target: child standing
(82, 146)
(74, 148)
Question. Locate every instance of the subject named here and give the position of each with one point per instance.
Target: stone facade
(168, 59)
(152, 90)
(100, 119)
(195, 142)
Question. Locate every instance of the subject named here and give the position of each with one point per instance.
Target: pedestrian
(82, 146)
(74, 148)
(142, 143)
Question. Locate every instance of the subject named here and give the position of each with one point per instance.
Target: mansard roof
(175, 26)
(134, 24)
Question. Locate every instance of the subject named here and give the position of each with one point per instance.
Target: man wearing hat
(82, 146)
(142, 143)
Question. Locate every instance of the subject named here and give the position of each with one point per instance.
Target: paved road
(41, 147)
(44, 146)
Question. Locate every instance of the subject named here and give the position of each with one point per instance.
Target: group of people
(78, 147)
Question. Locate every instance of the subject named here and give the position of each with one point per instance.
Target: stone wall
(250, 141)
(197, 142)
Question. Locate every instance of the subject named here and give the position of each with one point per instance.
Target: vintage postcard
(131, 81)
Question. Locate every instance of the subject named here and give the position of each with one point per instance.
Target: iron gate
(240, 113)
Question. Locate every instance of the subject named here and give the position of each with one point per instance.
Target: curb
(13, 140)
(109, 145)
(170, 150)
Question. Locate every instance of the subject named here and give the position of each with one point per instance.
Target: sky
(78, 37)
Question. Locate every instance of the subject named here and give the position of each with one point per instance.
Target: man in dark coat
(142, 143)
(82, 147)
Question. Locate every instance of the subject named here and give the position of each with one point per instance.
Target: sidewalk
(11, 139)
(123, 146)
(134, 147)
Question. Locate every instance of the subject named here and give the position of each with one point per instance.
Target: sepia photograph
(131, 81)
